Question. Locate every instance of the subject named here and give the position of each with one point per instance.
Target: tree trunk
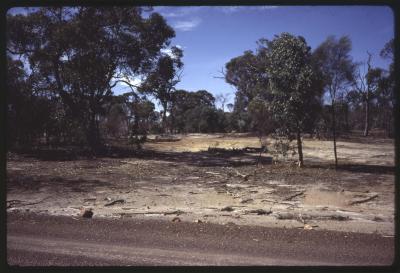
(334, 133)
(346, 113)
(164, 118)
(366, 128)
(300, 149)
(93, 134)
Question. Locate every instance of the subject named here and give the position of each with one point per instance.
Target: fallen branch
(293, 196)
(244, 176)
(26, 204)
(302, 227)
(278, 202)
(115, 202)
(213, 173)
(177, 212)
(363, 200)
(259, 212)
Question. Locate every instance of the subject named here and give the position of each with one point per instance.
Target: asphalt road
(42, 240)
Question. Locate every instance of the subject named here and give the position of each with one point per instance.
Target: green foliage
(278, 89)
(292, 82)
(196, 112)
(333, 58)
(80, 53)
(162, 80)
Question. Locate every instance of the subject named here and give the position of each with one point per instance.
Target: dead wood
(13, 202)
(227, 209)
(244, 176)
(363, 200)
(293, 196)
(115, 202)
(213, 173)
(246, 201)
(259, 211)
(278, 202)
(177, 212)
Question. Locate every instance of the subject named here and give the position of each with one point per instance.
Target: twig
(115, 202)
(363, 200)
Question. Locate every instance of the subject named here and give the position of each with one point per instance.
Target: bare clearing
(181, 179)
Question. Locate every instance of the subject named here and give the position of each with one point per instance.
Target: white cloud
(175, 12)
(168, 51)
(233, 9)
(230, 9)
(187, 25)
(266, 7)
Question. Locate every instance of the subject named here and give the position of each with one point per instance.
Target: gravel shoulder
(34, 239)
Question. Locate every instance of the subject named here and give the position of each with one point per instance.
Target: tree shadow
(364, 168)
(357, 168)
(27, 182)
(213, 157)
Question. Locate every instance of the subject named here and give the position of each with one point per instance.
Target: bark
(366, 128)
(300, 149)
(334, 132)
(164, 117)
(92, 134)
(367, 98)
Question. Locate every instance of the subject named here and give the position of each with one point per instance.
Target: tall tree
(366, 84)
(248, 75)
(82, 53)
(162, 80)
(193, 111)
(386, 94)
(294, 86)
(222, 99)
(337, 67)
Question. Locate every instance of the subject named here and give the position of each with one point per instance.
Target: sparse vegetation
(70, 135)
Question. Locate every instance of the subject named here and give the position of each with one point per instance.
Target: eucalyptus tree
(386, 94)
(333, 59)
(193, 111)
(294, 85)
(82, 53)
(247, 74)
(163, 78)
(366, 85)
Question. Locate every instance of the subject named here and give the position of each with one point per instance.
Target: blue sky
(211, 36)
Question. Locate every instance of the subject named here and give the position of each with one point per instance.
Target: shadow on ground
(213, 157)
(356, 168)
(28, 182)
(220, 157)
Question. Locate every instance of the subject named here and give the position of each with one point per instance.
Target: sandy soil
(181, 179)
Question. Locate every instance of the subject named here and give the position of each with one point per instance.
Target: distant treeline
(64, 63)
